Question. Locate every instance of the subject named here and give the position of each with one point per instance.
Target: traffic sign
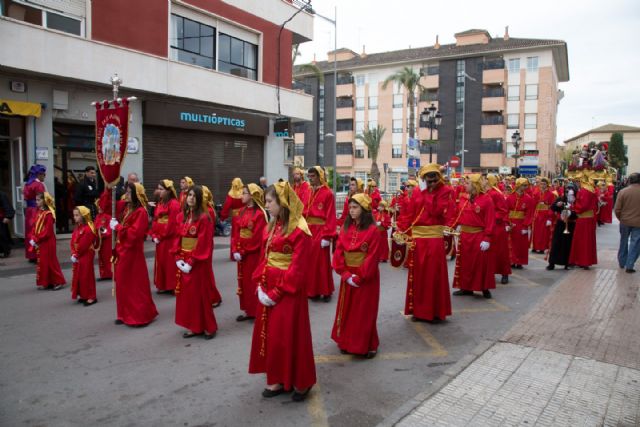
(413, 163)
(454, 161)
(528, 170)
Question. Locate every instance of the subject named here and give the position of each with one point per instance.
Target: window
(531, 92)
(530, 121)
(344, 102)
(359, 127)
(360, 80)
(63, 23)
(491, 146)
(360, 103)
(460, 94)
(37, 15)
(513, 93)
(397, 100)
(397, 126)
(372, 124)
(532, 63)
(238, 57)
(514, 65)
(513, 121)
(192, 42)
(396, 151)
(345, 148)
(373, 102)
(344, 124)
(299, 149)
(359, 153)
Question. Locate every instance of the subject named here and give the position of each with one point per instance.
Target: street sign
(504, 170)
(454, 161)
(413, 163)
(528, 170)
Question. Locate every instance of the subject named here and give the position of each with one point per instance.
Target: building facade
(485, 88)
(185, 60)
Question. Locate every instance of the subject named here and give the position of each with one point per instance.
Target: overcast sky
(603, 40)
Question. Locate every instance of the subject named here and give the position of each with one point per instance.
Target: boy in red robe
(520, 216)
(33, 187)
(83, 240)
(583, 247)
(42, 241)
(500, 239)
(542, 217)
(374, 193)
(301, 187)
(355, 186)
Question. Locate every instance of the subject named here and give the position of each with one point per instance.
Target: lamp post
(432, 118)
(515, 140)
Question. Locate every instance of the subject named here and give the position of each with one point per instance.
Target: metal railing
(493, 120)
(495, 92)
(494, 64)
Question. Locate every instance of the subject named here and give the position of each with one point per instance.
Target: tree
(617, 159)
(410, 80)
(309, 68)
(372, 138)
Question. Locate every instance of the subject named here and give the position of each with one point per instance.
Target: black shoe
(273, 393)
(57, 287)
(326, 298)
(551, 267)
(209, 336)
(518, 267)
(102, 279)
(344, 351)
(462, 292)
(189, 335)
(566, 267)
(371, 354)
(118, 322)
(629, 270)
(586, 267)
(80, 301)
(298, 396)
(243, 317)
(505, 279)
(87, 303)
(486, 294)
(33, 261)
(315, 297)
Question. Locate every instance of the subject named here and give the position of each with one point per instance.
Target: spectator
(263, 183)
(87, 191)
(6, 215)
(627, 210)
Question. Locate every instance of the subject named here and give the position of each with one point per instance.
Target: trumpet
(401, 238)
(565, 215)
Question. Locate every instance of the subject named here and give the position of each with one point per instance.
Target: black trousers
(5, 239)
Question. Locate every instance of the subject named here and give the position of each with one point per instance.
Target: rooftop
(608, 128)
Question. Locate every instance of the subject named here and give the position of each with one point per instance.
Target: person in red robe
(185, 184)
(542, 217)
(252, 222)
(135, 306)
(499, 249)
(428, 296)
(605, 203)
(520, 216)
(33, 187)
(231, 208)
(192, 251)
(355, 186)
(281, 344)
(584, 247)
(164, 234)
(474, 262)
(83, 241)
(105, 271)
(216, 298)
(356, 261)
(301, 187)
(374, 193)
(321, 217)
(383, 222)
(42, 242)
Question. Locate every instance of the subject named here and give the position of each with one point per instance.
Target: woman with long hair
(43, 244)
(216, 298)
(192, 257)
(132, 288)
(164, 235)
(252, 222)
(356, 261)
(83, 240)
(281, 346)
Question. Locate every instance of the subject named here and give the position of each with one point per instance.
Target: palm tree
(372, 138)
(309, 68)
(410, 80)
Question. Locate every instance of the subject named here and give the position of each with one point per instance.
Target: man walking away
(627, 210)
(87, 191)
(6, 215)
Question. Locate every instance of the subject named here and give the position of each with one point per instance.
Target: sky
(603, 43)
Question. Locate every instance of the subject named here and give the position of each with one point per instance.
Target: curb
(452, 372)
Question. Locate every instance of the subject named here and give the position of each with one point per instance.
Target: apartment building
(187, 61)
(485, 87)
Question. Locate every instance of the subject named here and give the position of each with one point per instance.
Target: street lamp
(515, 140)
(432, 118)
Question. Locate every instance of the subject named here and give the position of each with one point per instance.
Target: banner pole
(116, 82)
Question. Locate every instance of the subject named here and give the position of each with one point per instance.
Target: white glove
(548, 223)
(423, 184)
(484, 246)
(103, 230)
(351, 282)
(180, 264)
(113, 223)
(156, 240)
(32, 243)
(186, 268)
(324, 243)
(507, 228)
(74, 259)
(378, 223)
(237, 256)
(525, 231)
(264, 298)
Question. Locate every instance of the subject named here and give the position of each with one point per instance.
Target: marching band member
(83, 239)
(216, 298)
(30, 190)
(583, 247)
(281, 345)
(563, 229)
(192, 257)
(231, 207)
(500, 239)
(355, 186)
(252, 221)
(185, 184)
(105, 271)
(374, 193)
(383, 222)
(301, 187)
(164, 235)
(520, 216)
(605, 203)
(541, 224)
(42, 242)
(356, 261)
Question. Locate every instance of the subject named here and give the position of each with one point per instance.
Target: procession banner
(112, 128)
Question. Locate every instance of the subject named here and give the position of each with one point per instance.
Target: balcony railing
(494, 64)
(432, 70)
(429, 96)
(344, 148)
(345, 80)
(344, 102)
(493, 120)
(494, 92)
(491, 146)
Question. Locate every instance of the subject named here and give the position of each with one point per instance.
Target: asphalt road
(65, 364)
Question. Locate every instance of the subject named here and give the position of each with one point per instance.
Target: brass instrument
(565, 215)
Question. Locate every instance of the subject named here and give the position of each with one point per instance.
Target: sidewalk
(572, 360)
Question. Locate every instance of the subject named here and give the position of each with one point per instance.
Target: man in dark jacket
(87, 191)
(6, 215)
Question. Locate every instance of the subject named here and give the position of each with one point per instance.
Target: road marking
(530, 283)
(341, 358)
(315, 408)
(497, 308)
(437, 350)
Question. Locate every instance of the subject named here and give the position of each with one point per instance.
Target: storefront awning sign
(19, 108)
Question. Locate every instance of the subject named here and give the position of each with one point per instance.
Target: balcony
(345, 89)
(344, 113)
(492, 131)
(491, 160)
(430, 82)
(492, 119)
(493, 92)
(345, 80)
(493, 76)
(493, 104)
(494, 64)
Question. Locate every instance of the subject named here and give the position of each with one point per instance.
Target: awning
(19, 108)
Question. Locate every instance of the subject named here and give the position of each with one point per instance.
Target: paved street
(65, 364)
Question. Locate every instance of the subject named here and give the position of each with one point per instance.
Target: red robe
(428, 295)
(29, 192)
(375, 197)
(474, 268)
(500, 240)
(281, 345)
(252, 222)
(583, 247)
(232, 208)
(354, 327)
(541, 233)
(105, 252)
(193, 291)
(133, 290)
(48, 272)
(321, 217)
(605, 214)
(303, 190)
(83, 283)
(216, 298)
(345, 212)
(164, 228)
(520, 217)
(385, 222)
(182, 198)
